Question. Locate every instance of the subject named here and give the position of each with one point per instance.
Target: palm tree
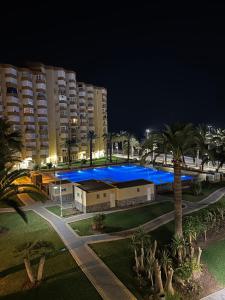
(179, 138)
(134, 145)
(91, 137)
(11, 144)
(110, 138)
(68, 144)
(8, 189)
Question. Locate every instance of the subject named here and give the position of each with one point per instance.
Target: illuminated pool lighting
(120, 174)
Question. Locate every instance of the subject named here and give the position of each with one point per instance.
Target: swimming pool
(120, 174)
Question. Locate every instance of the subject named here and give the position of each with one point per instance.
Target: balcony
(27, 92)
(30, 128)
(28, 119)
(26, 83)
(12, 109)
(40, 86)
(42, 112)
(28, 102)
(62, 82)
(30, 136)
(64, 135)
(12, 99)
(42, 103)
(43, 120)
(14, 118)
(12, 80)
(11, 71)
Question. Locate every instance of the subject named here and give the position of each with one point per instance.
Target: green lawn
(96, 162)
(57, 211)
(214, 258)
(207, 189)
(125, 219)
(63, 279)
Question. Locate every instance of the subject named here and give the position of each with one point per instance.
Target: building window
(138, 190)
(11, 90)
(98, 196)
(104, 194)
(78, 194)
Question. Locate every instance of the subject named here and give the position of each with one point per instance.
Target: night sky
(160, 62)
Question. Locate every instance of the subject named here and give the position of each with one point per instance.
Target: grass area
(126, 219)
(66, 211)
(214, 258)
(119, 257)
(207, 189)
(63, 279)
(96, 162)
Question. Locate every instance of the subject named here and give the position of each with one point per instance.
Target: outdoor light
(60, 197)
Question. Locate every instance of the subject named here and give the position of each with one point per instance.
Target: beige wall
(131, 192)
(92, 197)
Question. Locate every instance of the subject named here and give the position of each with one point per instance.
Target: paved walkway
(103, 279)
(219, 295)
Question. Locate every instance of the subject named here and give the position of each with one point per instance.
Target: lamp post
(60, 197)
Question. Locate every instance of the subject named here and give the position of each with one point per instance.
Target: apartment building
(52, 110)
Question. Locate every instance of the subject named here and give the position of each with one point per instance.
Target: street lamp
(147, 132)
(60, 197)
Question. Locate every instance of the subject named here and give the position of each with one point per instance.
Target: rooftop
(93, 185)
(126, 184)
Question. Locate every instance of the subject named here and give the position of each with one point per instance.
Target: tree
(179, 138)
(69, 144)
(11, 144)
(33, 250)
(91, 137)
(110, 138)
(8, 189)
(134, 145)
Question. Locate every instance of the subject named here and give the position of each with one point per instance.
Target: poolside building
(96, 195)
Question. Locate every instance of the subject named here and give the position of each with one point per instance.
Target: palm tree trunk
(178, 199)
(29, 270)
(128, 150)
(40, 268)
(110, 149)
(91, 151)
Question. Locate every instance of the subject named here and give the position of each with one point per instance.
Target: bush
(196, 188)
(98, 222)
(83, 161)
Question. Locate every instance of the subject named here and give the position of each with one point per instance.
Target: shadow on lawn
(20, 267)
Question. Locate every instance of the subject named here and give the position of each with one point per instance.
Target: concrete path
(103, 279)
(219, 295)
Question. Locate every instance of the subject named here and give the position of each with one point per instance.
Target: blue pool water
(119, 174)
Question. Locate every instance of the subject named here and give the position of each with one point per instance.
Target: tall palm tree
(11, 144)
(8, 189)
(110, 138)
(69, 143)
(91, 137)
(179, 138)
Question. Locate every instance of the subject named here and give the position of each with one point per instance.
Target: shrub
(98, 222)
(196, 188)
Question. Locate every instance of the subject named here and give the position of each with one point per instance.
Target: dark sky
(161, 62)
